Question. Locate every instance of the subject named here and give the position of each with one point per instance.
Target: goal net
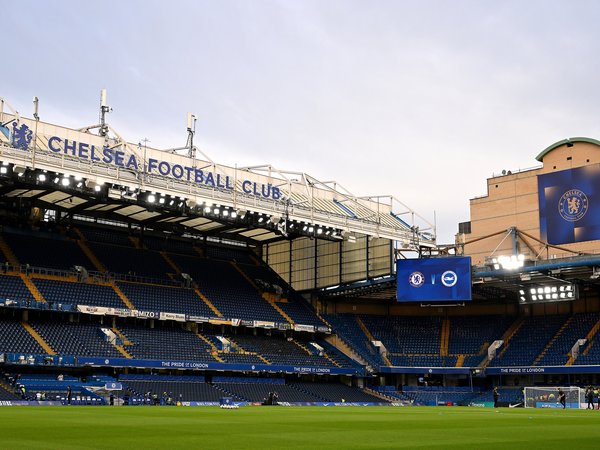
(548, 397)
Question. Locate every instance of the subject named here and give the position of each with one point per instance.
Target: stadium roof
(93, 172)
(568, 141)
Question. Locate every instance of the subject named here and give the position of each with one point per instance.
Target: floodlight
(19, 170)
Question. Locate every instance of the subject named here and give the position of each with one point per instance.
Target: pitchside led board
(570, 205)
(434, 280)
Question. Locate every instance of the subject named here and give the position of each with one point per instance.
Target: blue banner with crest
(569, 205)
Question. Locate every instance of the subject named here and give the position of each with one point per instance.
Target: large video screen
(434, 279)
(569, 203)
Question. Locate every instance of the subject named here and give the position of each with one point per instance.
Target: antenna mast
(191, 129)
(104, 108)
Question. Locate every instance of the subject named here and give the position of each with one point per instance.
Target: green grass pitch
(297, 427)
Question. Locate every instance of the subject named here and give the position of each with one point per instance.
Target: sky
(423, 100)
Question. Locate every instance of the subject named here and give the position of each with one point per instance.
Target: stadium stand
(15, 338)
(149, 297)
(165, 342)
(105, 236)
(13, 288)
(472, 335)
(229, 254)
(46, 250)
(406, 335)
(557, 351)
(350, 331)
(57, 291)
(286, 299)
(128, 260)
(56, 389)
(336, 392)
(422, 360)
(529, 341)
(170, 245)
(280, 351)
(7, 394)
(76, 339)
(247, 289)
(227, 289)
(182, 388)
(259, 392)
(336, 356)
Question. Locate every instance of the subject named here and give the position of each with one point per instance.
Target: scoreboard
(434, 279)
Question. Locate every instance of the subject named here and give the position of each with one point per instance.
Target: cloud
(422, 100)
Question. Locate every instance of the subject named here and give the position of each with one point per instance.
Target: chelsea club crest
(573, 205)
(416, 279)
(21, 136)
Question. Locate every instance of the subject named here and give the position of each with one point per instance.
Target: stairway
(214, 352)
(37, 295)
(343, 347)
(135, 242)
(8, 389)
(558, 333)
(331, 360)
(445, 337)
(267, 298)
(298, 344)
(506, 337)
(371, 338)
(171, 263)
(123, 352)
(122, 296)
(590, 338)
(8, 253)
(208, 303)
(90, 254)
(39, 339)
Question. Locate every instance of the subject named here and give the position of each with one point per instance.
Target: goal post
(547, 397)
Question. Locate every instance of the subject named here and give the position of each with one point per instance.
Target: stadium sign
(569, 209)
(181, 172)
(541, 370)
(175, 364)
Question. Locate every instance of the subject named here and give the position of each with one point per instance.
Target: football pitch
(81, 427)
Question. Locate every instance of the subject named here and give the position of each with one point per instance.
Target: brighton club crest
(21, 136)
(573, 205)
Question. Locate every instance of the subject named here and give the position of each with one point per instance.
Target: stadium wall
(585, 304)
(348, 307)
(512, 201)
(308, 264)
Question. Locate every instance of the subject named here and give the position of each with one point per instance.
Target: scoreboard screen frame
(434, 280)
